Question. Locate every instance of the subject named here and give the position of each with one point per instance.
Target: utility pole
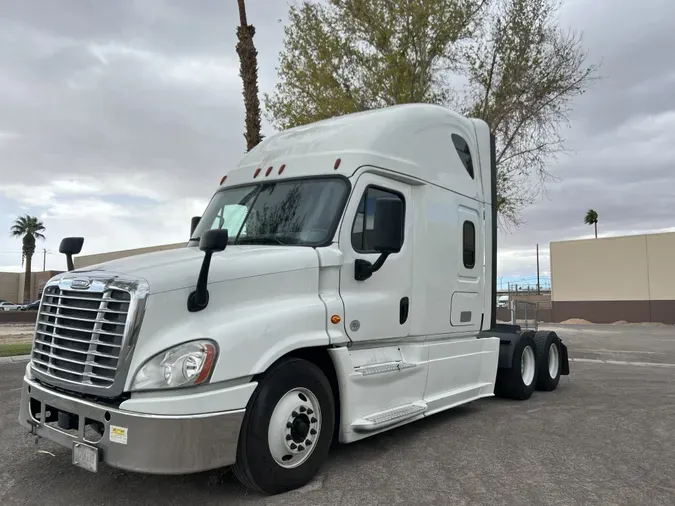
(538, 285)
(44, 259)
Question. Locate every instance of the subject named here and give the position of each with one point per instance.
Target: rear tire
(549, 360)
(287, 429)
(518, 382)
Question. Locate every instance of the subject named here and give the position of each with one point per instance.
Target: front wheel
(287, 429)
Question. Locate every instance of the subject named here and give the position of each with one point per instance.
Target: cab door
(377, 307)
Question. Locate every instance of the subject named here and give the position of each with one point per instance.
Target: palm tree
(29, 228)
(248, 70)
(592, 219)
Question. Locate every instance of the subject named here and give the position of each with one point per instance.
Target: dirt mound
(620, 322)
(577, 321)
(16, 333)
(14, 328)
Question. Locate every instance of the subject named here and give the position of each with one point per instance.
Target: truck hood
(179, 268)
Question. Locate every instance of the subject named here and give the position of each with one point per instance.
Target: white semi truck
(340, 283)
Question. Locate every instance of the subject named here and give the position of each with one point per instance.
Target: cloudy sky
(117, 120)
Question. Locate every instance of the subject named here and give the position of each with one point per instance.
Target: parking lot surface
(605, 436)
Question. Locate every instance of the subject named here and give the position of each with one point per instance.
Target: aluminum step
(384, 419)
(382, 368)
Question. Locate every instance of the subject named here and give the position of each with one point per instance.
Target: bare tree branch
(523, 73)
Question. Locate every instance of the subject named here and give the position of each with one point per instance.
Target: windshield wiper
(268, 239)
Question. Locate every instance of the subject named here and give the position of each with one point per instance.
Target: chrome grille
(79, 334)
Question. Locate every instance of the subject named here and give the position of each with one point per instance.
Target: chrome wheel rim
(294, 428)
(527, 365)
(553, 360)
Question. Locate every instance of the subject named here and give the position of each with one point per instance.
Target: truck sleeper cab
(341, 282)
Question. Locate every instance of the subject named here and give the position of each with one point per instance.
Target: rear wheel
(518, 381)
(549, 360)
(287, 429)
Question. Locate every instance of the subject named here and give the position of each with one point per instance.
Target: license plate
(85, 456)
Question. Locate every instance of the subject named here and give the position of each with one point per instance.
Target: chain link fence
(527, 314)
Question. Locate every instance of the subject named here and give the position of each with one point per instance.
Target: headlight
(183, 365)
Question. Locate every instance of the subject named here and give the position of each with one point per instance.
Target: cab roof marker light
(267, 172)
(337, 164)
(281, 169)
(257, 171)
(222, 180)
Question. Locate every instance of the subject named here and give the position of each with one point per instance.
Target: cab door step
(367, 370)
(378, 421)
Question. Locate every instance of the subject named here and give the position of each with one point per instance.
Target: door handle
(404, 309)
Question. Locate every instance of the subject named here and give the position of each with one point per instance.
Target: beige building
(86, 260)
(12, 284)
(629, 278)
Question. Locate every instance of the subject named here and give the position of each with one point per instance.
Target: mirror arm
(363, 269)
(199, 299)
(69, 261)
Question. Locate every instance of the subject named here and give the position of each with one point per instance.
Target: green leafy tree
(248, 71)
(516, 69)
(29, 228)
(591, 218)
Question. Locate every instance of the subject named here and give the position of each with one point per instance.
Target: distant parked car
(31, 306)
(8, 306)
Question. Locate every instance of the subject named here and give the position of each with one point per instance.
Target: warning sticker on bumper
(118, 434)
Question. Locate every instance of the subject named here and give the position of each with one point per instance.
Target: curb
(14, 360)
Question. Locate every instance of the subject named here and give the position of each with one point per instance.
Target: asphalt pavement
(605, 436)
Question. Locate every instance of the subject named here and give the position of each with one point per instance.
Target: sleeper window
(364, 222)
(464, 153)
(469, 244)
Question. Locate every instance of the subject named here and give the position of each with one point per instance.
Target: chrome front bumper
(156, 444)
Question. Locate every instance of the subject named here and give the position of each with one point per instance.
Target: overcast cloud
(117, 120)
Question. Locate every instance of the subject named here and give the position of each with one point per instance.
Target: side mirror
(388, 226)
(193, 224)
(71, 246)
(387, 236)
(211, 242)
(214, 240)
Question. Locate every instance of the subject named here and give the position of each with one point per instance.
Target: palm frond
(591, 217)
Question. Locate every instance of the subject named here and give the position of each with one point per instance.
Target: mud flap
(565, 369)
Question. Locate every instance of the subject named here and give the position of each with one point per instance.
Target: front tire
(288, 428)
(518, 381)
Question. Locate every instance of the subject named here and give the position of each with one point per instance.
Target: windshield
(294, 212)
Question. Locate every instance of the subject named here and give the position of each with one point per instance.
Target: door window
(364, 222)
